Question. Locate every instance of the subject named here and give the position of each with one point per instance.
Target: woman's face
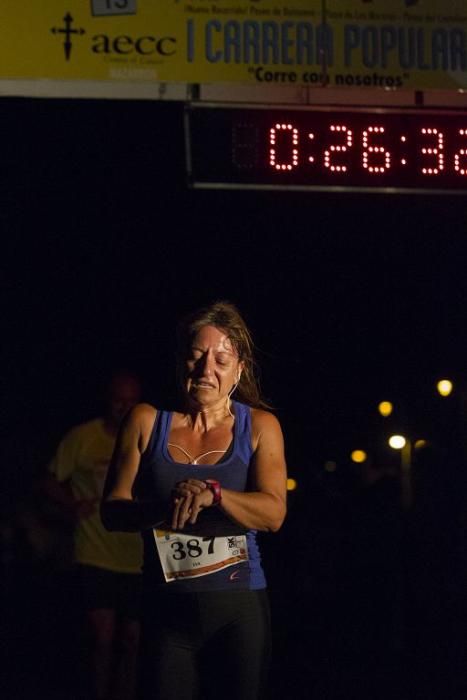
(212, 366)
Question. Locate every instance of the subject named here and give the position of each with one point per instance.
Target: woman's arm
(264, 507)
(119, 510)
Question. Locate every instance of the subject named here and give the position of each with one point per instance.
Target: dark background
(352, 298)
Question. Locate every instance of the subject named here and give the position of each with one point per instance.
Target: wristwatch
(215, 488)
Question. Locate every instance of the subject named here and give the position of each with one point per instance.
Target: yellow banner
(416, 44)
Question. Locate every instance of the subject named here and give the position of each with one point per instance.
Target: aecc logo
(122, 44)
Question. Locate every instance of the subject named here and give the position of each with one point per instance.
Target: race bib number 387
(189, 556)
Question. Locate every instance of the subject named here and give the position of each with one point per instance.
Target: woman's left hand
(189, 498)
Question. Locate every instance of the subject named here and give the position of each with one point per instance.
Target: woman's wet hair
(226, 317)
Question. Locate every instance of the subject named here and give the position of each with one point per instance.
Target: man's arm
(61, 493)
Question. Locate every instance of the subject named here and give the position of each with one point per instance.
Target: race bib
(189, 556)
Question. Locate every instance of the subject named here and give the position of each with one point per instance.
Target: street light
(444, 387)
(397, 442)
(400, 442)
(359, 456)
(385, 408)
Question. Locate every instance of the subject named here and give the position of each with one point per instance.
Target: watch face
(327, 148)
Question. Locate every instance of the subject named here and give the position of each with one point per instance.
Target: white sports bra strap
(194, 460)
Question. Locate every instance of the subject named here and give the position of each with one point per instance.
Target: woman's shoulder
(266, 430)
(262, 421)
(140, 423)
(142, 416)
(144, 410)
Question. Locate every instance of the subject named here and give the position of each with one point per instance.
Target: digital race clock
(327, 148)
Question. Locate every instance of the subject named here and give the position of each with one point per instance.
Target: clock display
(327, 148)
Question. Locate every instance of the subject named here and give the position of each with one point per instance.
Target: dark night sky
(352, 298)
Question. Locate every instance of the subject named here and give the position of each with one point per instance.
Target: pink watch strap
(215, 488)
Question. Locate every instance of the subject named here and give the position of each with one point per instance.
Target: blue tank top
(158, 474)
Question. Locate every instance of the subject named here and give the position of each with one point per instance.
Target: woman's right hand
(189, 499)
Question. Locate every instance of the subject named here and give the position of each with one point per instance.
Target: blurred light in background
(330, 466)
(359, 456)
(291, 484)
(444, 387)
(397, 442)
(385, 408)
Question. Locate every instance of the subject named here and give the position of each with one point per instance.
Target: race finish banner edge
(392, 44)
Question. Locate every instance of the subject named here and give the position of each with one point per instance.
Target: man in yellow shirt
(108, 563)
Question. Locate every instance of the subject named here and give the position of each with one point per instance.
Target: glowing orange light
(359, 456)
(385, 408)
(419, 444)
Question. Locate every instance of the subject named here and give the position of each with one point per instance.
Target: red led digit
(274, 134)
(403, 158)
(436, 151)
(338, 148)
(324, 146)
(311, 136)
(460, 164)
(376, 159)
